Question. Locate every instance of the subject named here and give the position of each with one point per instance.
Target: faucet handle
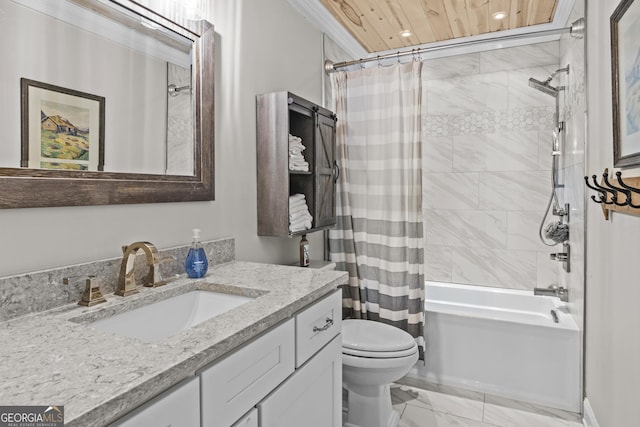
(92, 294)
(154, 278)
(560, 256)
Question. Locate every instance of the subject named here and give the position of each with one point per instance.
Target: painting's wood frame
(25, 85)
(629, 160)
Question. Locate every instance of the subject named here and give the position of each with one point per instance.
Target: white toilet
(374, 355)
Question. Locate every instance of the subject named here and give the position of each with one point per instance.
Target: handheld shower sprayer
(557, 231)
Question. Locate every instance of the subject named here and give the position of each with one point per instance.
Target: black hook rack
(624, 197)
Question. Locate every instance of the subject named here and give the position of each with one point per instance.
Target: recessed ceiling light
(405, 33)
(500, 15)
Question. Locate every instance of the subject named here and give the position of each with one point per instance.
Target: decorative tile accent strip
(43, 290)
(487, 122)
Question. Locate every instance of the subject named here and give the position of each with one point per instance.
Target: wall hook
(603, 194)
(608, 193)
(627, 193)
(606, 190)
(629, 189)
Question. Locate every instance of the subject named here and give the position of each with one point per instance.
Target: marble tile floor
(423, 404)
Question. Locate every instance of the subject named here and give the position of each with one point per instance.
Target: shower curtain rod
(576, 30)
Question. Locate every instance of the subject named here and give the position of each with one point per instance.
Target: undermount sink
(158, 321)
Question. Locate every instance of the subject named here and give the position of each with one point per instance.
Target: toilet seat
(366, 338)
(380, 354)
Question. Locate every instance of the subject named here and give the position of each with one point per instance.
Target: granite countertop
(49, 358)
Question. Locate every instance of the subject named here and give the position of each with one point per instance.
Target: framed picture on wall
(625, 65)
(61, 128)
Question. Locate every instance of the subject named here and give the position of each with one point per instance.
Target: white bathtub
(502, 342)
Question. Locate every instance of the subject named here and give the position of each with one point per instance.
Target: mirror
(109, 102)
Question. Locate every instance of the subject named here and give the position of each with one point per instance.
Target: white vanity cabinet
(291, 374)
(177, 407)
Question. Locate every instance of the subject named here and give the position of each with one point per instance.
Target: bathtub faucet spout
(553, 291)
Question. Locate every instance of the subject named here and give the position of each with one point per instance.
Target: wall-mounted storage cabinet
(282, 116)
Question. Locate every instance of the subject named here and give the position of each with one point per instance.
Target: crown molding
(322, 19)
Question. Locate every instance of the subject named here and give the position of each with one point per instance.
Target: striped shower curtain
(379, 237)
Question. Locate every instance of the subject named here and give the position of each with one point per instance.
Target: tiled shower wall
(487, 162)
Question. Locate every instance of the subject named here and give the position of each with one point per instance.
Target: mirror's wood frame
(29, 188)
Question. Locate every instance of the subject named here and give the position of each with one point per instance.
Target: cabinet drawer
(317, 325)
(176, 407)
(232, 386)
(249, 420)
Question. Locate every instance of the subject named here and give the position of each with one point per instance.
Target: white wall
(613, 285)
(262, 46)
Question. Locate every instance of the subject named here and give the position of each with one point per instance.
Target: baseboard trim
(589, 418)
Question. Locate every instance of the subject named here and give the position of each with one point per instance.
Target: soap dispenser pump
(196, 264)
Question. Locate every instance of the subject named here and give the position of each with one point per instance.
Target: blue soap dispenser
(196, 264)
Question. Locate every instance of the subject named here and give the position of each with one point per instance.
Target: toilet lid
(367, 338)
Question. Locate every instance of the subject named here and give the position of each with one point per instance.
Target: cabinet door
(325, 171)
(312, 396)
(177, 407)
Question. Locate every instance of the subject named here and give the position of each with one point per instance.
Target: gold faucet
(127, 280)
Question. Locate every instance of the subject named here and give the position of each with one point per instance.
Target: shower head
(544, 87)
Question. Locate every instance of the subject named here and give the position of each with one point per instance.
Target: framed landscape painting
(61, 128)
(625, 67)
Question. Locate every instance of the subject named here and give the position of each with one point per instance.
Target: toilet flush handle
(328, 323)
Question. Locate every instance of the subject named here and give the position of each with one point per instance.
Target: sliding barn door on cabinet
(326, 171)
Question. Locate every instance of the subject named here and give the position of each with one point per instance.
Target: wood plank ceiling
(378, 24)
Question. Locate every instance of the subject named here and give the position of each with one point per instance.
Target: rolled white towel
(298, 208)
(296, 158)
(300, 215)
(299, 168)
(296, 197)
(296, 150)
(300, 225)
(295, 206)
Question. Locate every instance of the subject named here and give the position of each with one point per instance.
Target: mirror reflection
(108, 91)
